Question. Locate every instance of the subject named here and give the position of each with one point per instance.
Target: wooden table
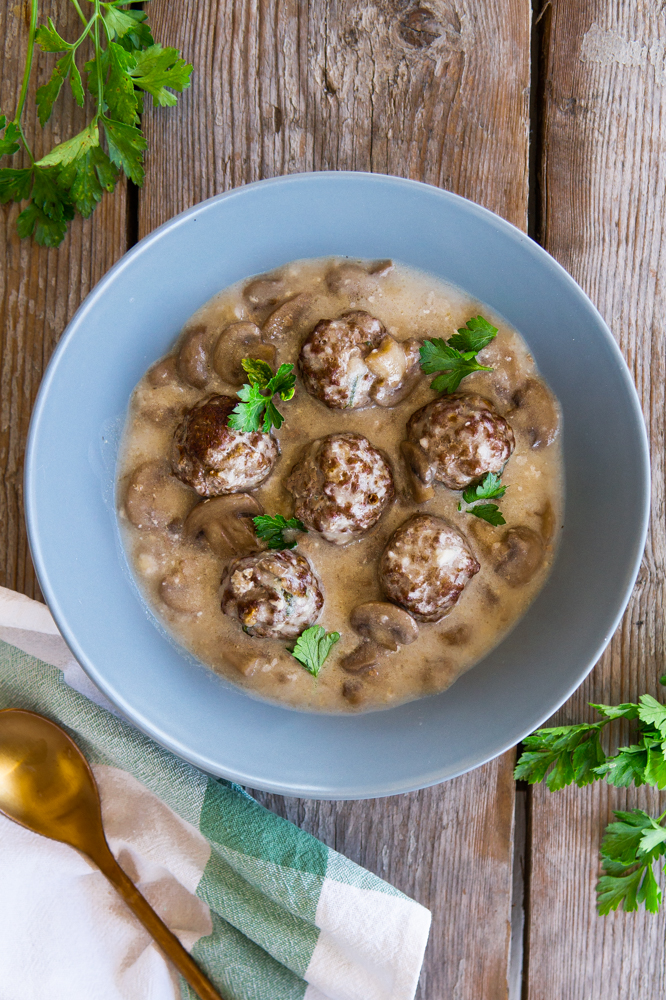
(554, 117)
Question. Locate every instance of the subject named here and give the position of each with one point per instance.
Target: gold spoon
(47, 786)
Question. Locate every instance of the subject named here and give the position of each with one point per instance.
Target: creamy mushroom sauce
(410, 304)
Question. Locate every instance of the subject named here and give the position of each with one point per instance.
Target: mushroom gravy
(179, 577)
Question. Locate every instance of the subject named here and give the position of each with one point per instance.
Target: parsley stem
(28, 65)
(84, 34)
(98, 62)
(79, 11)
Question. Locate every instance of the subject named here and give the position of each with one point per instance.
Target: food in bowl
(297, 495)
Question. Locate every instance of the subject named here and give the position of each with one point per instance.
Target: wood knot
(420, 26)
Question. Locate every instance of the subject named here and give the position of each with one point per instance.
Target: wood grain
(40, 289)
(603, 202)
(436, 92)
(439, 93)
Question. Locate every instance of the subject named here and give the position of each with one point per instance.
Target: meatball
(425, 567)
(333, 357)
(463, 437)
(273, 594)
(214, 459)
(342, 485)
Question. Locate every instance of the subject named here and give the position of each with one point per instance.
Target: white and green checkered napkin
(268, 911)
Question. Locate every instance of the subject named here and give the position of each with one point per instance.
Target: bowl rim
(154, 731)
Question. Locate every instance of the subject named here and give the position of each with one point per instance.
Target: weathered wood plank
(603, 206)
(439, 93)
(39, 289)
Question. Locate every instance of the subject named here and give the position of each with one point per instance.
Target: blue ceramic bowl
(133, 316)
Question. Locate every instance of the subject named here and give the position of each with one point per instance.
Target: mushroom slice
(536, 413)
(354, 279)
(182, 588)
(420, 471)
(289, 316)
(238, 341)
(163, 373)
(380, 267)
(155, 500)
(246, 661)
(384, 623)
(192, 362)
(363, 659)
(353, 692)
(264, 292)
(518, 555)
(223, 521)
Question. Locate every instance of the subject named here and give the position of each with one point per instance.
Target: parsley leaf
(270, 530)
(259, 372)
(87, 177)
(122, 100)
(628, 850)
(126, 145)
(565, 747)
(489, 488)
(119, 22)
(246, 416)
(47, 94)
(489, 512)
(283, 382)
(627, 767)
(15, 184)
(49, 40)
(474, 336)
(313, 646)
(69, 150)
(437, 356)
(9, 143)
(139, 36)
(73, 176)
(456, 357)
(652, 713)
(257, 397)
(156, 69)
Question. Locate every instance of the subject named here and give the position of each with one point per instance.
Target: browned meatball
(463, 437)
(333, 357)
(425, 567)
(342, 485)
(214, 459)
(272, 594)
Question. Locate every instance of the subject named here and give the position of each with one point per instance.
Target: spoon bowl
(47, 786)
(46, 783)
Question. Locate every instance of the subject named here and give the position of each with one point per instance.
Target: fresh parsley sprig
(257, 411)
(490, 488)
(271, 530)
(563, 755)
(456, 358)
(313, 646)
(125, 64)
(628, 850)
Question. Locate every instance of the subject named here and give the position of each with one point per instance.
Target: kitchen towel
(267, 910)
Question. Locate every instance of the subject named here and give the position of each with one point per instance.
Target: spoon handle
(167, 941)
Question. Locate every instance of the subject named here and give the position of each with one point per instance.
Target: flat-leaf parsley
(125, 64)
(313, 646)
(565, 754)
(456, 358)
(489, 488)
(271, 530)
(257, 411)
